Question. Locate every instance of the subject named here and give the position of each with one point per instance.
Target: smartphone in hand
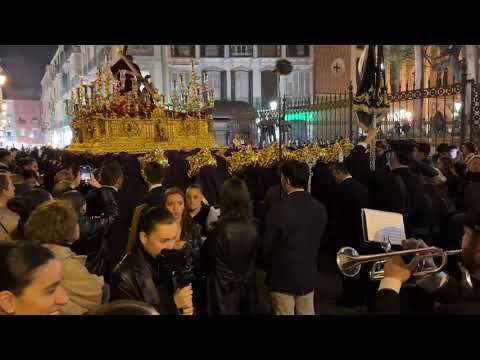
(85, 174)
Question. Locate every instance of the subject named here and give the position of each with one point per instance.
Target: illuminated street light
(4, 107)
(273, 105)
(3, 79)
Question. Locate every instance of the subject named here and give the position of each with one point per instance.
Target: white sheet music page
(379, 225)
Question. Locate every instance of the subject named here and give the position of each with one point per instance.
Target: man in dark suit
(419, 214)
(394, 187)
(154, 174)
(346, 224)
(387, 190)
(455, 297)
(111, 180)
(294, 230)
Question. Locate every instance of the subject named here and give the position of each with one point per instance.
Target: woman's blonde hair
(53, 222)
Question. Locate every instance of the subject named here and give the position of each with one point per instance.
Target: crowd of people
(124, 240)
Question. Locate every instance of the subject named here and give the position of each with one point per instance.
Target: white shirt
(390, 283)
(154, 186)
(212, 217)
(293, 191)
(428, 283)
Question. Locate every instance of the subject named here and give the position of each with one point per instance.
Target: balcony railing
(269, 50)
(241, 50)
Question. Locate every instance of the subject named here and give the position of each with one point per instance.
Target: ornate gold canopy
(108, 119)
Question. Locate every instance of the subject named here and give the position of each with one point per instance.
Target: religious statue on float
(122, 111)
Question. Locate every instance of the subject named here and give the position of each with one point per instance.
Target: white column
(283, 86)
(284, 51)
(472, 61)
(471, 55)
(255, 51)
(227, 51)
(229, 84)
(197, 51)
(312, 79)
(257, 83)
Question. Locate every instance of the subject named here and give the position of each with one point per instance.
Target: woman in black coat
(229, 254)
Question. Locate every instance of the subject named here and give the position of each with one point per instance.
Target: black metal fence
(433, 115)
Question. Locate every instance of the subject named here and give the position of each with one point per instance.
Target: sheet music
(380, 225)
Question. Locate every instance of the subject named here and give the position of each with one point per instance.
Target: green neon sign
(300, 116)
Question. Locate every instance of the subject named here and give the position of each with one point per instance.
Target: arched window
(298, 84)
(242, 85)
(215, 83)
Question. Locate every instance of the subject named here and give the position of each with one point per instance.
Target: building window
(9, 134)
(22, 120)
(241, 50)
(269, 83)
(269, 50)
(298, 50)
(298, 84)
(138, 50)
(23, 132)
(241, 86)
(215, 83)
(183, 50)
(212, 50)
(36, 134)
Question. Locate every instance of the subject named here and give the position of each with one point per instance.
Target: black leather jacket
(94, 227)
(229, 255)
(139, 277)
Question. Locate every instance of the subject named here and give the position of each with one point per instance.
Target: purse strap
(4, 228)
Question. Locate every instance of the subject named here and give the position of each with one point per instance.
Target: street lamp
(3, 118)
(273, 105)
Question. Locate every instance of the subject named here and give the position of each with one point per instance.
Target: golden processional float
(108, 119)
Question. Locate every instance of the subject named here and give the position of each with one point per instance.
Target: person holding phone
(85, 181)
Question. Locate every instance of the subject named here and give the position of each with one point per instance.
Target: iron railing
(433, 115)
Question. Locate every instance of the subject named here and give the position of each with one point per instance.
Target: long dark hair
(145, 218)
(235, 201)
(186, 222)
(18, 262)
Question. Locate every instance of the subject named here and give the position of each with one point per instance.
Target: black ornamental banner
(371, 97)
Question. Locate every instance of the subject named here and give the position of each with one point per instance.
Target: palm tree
(395, 55)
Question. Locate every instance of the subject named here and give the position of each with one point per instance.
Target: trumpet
(350, 262)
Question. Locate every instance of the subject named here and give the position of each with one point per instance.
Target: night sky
(24, 66)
